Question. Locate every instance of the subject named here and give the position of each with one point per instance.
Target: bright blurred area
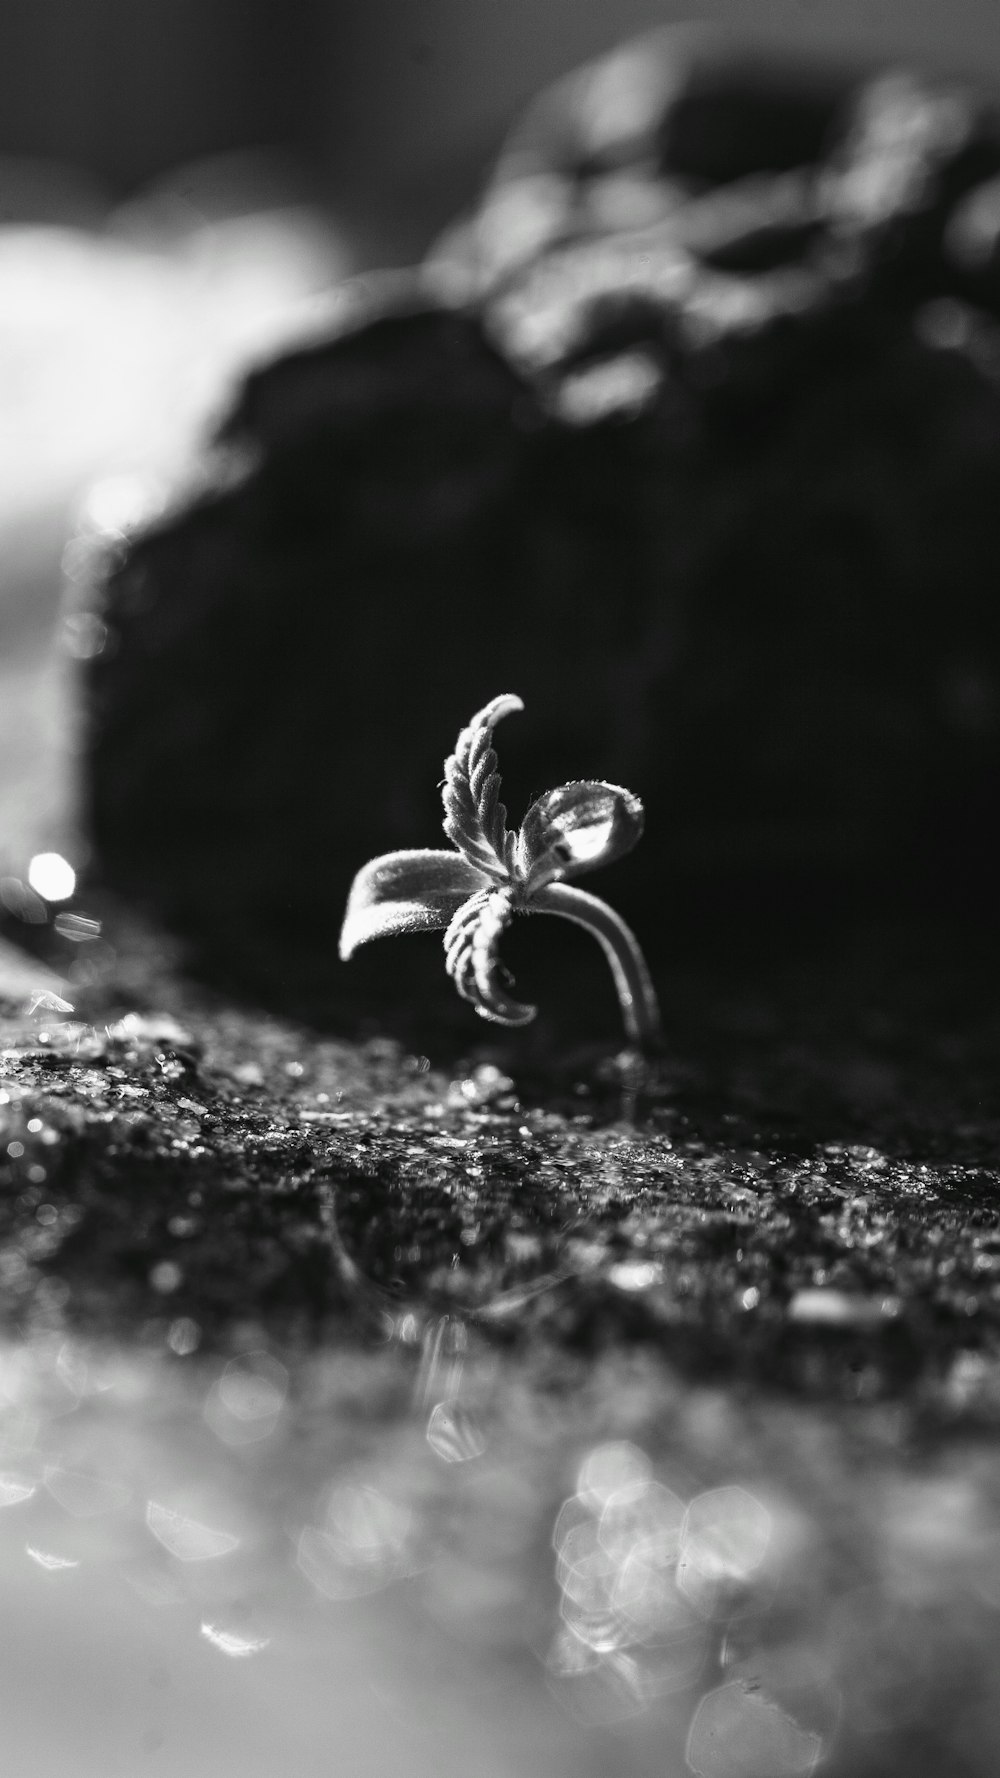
(119, 341)
(381, 1569)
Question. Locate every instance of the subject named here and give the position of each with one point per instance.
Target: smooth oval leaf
(577, 828)
(411, 891)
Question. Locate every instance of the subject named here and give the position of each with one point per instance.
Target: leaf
(471, 959)
(577, 828)
(412, 891)
(475, 819)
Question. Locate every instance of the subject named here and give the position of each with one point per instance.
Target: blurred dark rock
(690, 437)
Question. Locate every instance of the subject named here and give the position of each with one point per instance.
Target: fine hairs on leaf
(470, 951)
(475, 819)
(473, 892)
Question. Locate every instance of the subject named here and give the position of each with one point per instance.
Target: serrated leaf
(412, 891)
(472, 960)
(577, 828)
(475, 819)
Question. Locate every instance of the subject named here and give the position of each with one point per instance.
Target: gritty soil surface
(803, 1189)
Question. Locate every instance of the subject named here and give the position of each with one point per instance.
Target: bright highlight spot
(45, 1560)
(38, 1003)
(51, 876)
(627, 1633)
(228, 1643)
(13, 1490)
(118, 503)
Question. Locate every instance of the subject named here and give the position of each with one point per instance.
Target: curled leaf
(575, 829)
(411, 891)
(475, 819)
(471, 959)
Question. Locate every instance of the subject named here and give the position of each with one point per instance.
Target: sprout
(473, 892)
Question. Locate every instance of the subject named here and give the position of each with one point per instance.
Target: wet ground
(423, 1403)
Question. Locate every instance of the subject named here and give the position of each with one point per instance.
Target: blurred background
(183, 183)
(391, 109)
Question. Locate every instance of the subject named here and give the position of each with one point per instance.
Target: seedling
(473, 892)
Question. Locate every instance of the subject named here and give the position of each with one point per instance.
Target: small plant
(474, 891)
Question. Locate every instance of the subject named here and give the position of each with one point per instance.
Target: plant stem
(636, 994)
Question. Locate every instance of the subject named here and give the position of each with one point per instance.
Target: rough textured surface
(619, 1414)
(698, 455)
(829, 1131)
